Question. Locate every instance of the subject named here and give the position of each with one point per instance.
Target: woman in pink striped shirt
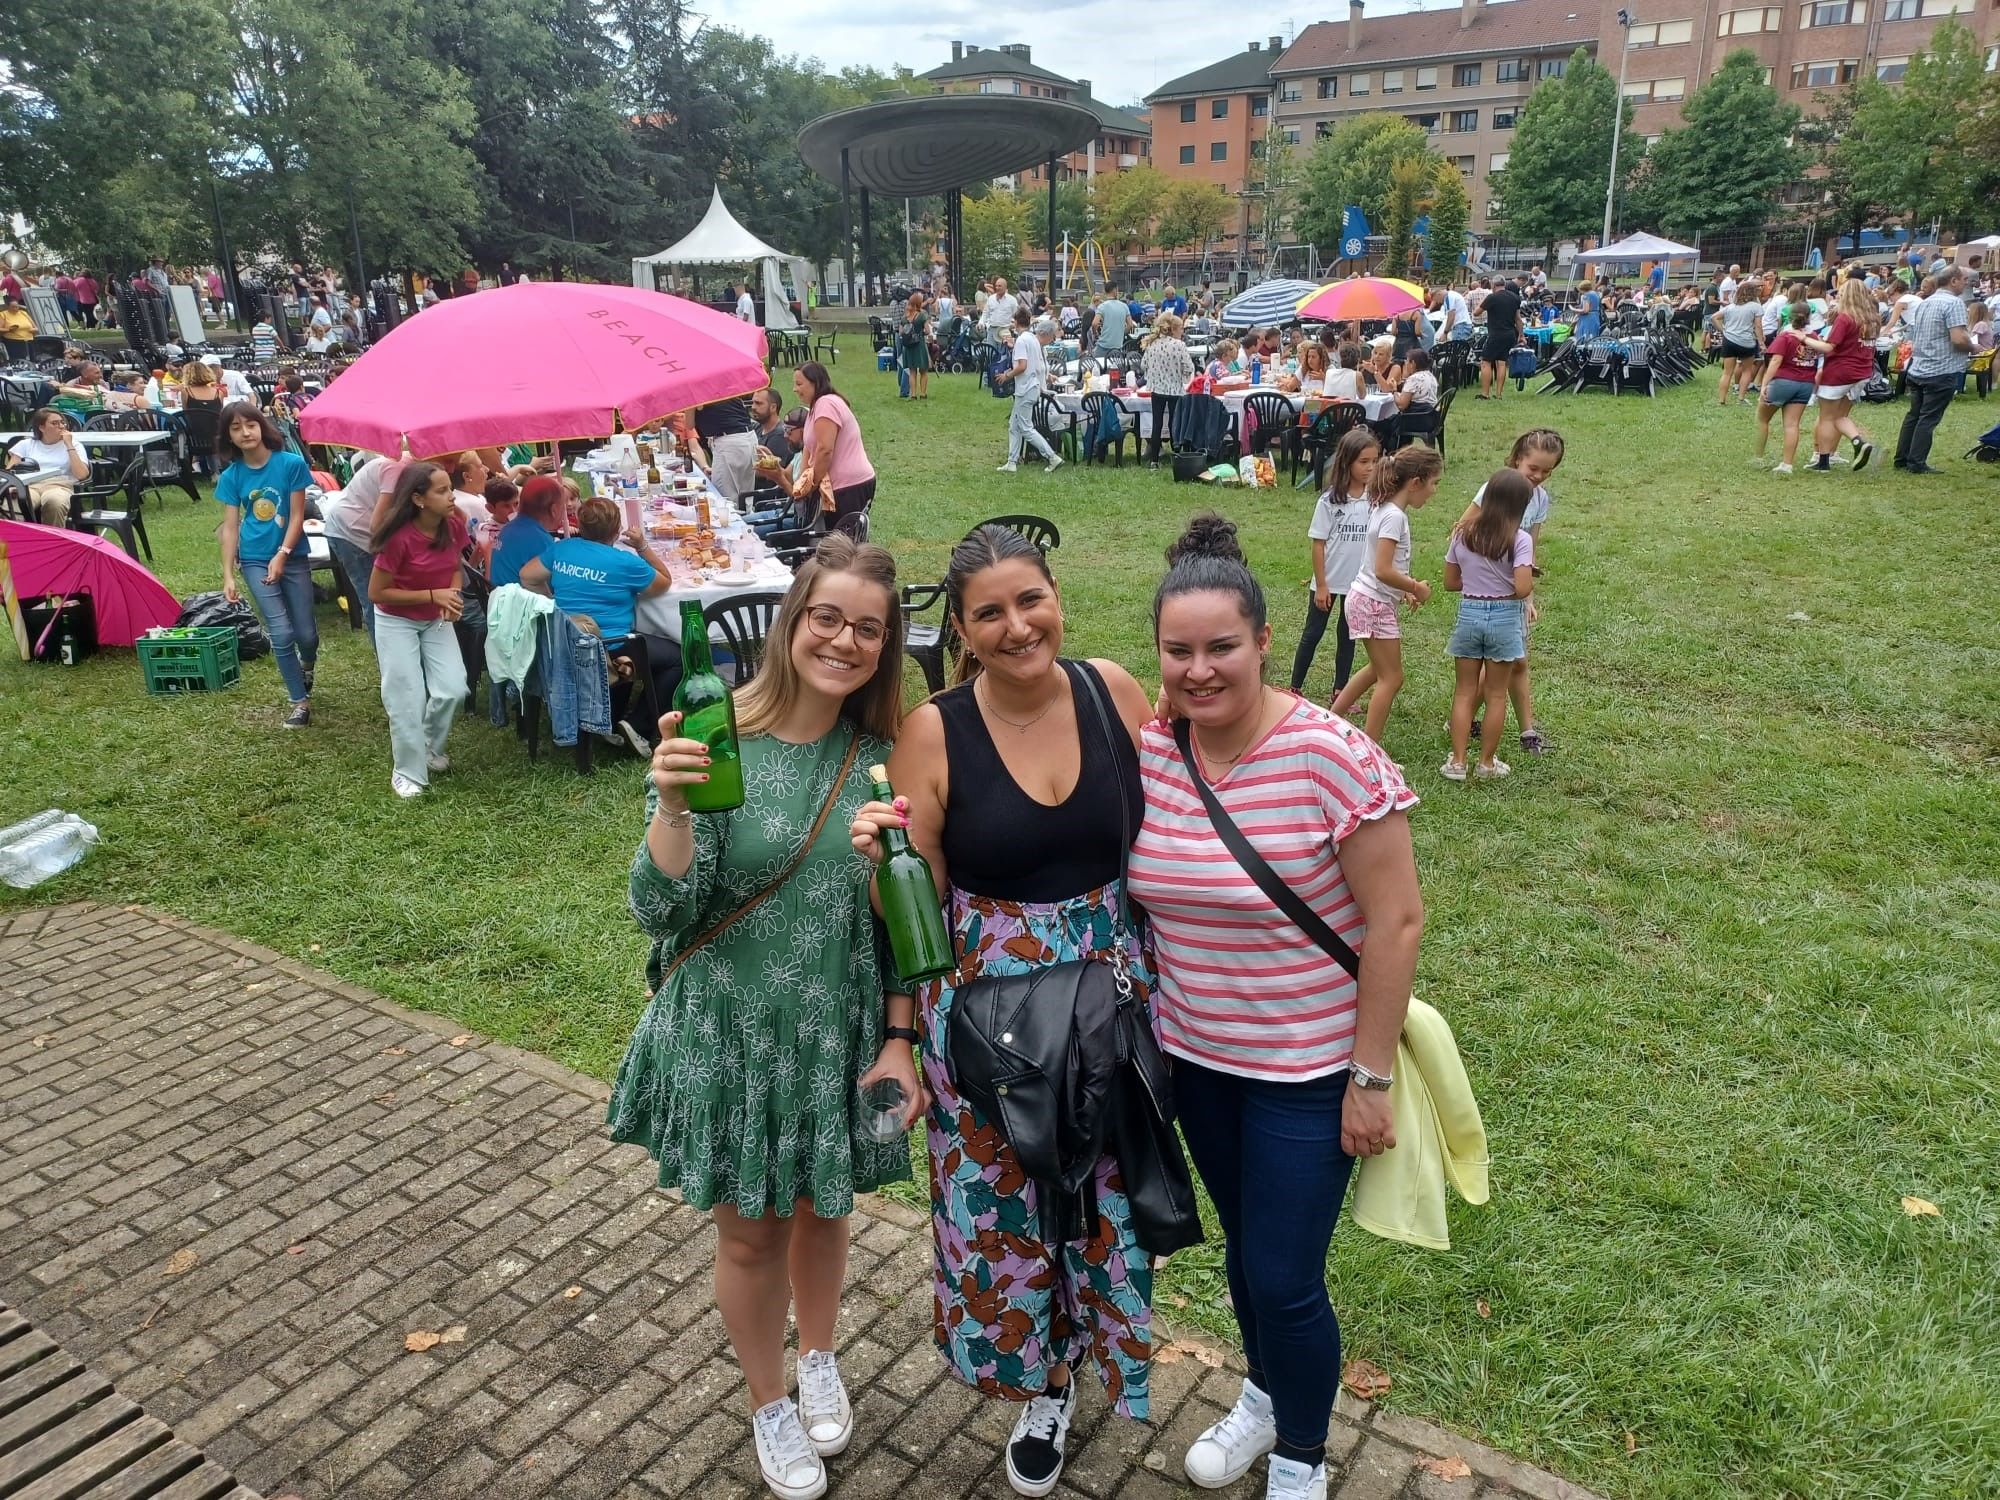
(1281, 1056)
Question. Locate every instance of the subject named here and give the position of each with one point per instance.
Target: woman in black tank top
(1013, 791)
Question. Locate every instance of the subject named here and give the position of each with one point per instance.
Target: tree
(1277, 174)
(1722, 169)
(1072, 213)
(1451, 216)
(1351, 165)
(1412, 185)
(1824, 132)
(1553, 184)
(1906, 149)
(1128, 204)
(1194, 213)
(996, 230)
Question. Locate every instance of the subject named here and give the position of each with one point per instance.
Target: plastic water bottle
(43, 846)
(1256, 370)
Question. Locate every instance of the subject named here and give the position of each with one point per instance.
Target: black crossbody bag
(1268, 880)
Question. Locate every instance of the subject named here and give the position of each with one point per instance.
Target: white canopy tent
(718, 240)
(1641, 247)
(1986, 247)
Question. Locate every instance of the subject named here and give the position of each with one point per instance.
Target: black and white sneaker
(300, 716)
(1863, 451)
(1035, 1451)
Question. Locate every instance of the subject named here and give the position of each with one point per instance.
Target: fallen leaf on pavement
(419, 1340)
(395, 1052)
(1918, 1208)
(295, 1249)
(1157, 1462)
(389, 1098)
(1631, 1442)
(1484, 1307)
(43, 1041)
(1205, 1356)
(180, 1263)
(1366, 1379)
(461, 1039)
(572, 1291)
(1167, 1354)
(1452, 1467)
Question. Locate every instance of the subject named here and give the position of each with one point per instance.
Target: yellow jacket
(1439, 1138)
(16, 323)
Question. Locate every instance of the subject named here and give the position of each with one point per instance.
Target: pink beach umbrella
(532, 362)
(127, 598)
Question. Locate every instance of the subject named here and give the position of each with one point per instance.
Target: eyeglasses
(827, 622)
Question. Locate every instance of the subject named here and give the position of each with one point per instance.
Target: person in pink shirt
(86, 298)
(834, 455)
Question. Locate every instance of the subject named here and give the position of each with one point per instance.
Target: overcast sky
(1125, 47)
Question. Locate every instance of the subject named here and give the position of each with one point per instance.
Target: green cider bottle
(909, 900)
(708, 715)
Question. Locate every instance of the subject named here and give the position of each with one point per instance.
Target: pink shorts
(1371, 619)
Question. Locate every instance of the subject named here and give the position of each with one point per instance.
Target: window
(1821, 75)
(1891, 69)
(1495, 210)
(1392, 83)
(1503, 119)
(1993, 59)
(1464, 165)
(1833, 13)
(1744, 22)
(1551, 67)
(1659, 88)
(1357, 85)
(1257, 149)
(1947, 7)
(1462, 120)
(1496, 161)
(1423, 122)
(1322, 129)
(1329, 88)
(1260, 106)
(1902, 10)
(1290, 94)
(1187, 156)
(1187, 113)
(1291, 135)
(1663, 34)
(1218, 109)
(1466, 75)
(1218, 151)
(1427, 78)
(1511, 70)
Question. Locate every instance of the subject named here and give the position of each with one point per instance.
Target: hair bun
(1208, 535)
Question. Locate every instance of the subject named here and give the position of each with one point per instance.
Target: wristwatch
(1362, 1078)
(900, 1034)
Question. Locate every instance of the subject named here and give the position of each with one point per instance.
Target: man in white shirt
(997, 317)
(236, 386)
(1457, 315)
(1030, 370)
(746, 307)
(1728, 284)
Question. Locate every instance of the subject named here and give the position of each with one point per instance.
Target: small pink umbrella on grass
(532, 362)
(128, 600)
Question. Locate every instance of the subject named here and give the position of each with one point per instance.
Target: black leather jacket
(1067, 1068)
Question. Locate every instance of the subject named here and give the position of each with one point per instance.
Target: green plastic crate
(189, 659)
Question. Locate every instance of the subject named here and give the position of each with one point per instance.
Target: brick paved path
(232, 1186)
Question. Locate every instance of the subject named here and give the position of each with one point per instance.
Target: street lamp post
(1617, 118)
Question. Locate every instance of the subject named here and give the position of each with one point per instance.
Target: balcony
(1127, 159)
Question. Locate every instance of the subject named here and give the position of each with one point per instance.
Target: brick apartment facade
(1209, 126)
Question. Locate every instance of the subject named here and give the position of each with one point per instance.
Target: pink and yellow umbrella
(1368, 298)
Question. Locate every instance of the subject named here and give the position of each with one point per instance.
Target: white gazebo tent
(1986, 248)
(718, 240)
(1638, 248)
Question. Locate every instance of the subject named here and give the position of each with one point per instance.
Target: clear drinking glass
(882, 1106)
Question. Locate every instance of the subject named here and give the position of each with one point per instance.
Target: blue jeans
(358, 567)
(1269, 1155)
(287, 610)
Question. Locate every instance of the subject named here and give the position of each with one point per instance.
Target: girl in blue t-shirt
(263, 494)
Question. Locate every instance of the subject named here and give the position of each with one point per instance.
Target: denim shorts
(1788, 393)
(1490, 630)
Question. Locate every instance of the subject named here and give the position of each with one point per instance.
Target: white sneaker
(1492, 772)
(1452, 770)
(1055, 463)
(1781, 468)
(1007, 468)
(1294, 1481)
(438, 762)
(1035, 1451)
(791, 1469)
(404, 787)
(823, 1405)
(1223, 1454)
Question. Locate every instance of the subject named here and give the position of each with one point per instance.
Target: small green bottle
(708, 715)
(909, 899)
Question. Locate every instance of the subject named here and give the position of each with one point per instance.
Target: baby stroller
(1987, 449)
(952, 348)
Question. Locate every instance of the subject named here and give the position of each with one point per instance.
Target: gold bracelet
(682, 819)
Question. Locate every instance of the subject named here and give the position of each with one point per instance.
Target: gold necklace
(1230, 760)
(1016, 724)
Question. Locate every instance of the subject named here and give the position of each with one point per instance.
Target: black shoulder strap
(1245, 854)
(1106, 723)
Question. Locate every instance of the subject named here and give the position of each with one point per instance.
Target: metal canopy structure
(937, 143)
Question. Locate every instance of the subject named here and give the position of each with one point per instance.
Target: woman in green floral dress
(744, 1076)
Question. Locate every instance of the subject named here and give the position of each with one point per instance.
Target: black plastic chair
(1037, 529)
(1057, 425)
(163, 463)
(1331, 425)
(745, 622)
(1277, 421)
(1096, 407)
(934, 647)
(825, 349)
(110, 478)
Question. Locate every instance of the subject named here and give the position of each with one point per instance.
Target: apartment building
(1461, 74)
(1125, 138)
(1210, 125)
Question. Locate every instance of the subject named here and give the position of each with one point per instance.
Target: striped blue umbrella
(1267, 302)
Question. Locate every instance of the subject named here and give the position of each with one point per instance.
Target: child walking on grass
(1403, 482)
(1536, 454)
(1339, 533)
(1490, 564)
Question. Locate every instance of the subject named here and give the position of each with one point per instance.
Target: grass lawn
(1723, 966)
